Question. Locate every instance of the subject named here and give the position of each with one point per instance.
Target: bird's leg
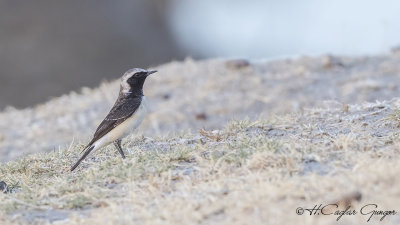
(117, 144)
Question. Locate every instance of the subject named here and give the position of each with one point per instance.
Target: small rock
(3, 187)
(329, 62)
(201, 116)
(237, 64)
(166, 96)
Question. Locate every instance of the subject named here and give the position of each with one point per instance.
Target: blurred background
(48, 48)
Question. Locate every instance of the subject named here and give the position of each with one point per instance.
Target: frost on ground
(247, 172)
(319, 131)
(206, 94)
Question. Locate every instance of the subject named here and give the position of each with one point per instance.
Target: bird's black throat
(136, 86)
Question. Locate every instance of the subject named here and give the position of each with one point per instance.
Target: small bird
(125, 116)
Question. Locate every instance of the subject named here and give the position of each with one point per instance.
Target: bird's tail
(88, 150)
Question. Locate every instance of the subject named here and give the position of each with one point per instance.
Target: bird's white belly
(125, 127)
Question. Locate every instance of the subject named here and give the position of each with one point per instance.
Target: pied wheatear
(125, 116)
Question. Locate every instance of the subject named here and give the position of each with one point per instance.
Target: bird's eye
(139, 74)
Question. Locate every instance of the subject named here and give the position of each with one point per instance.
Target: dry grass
(254, 171)
(204, 94)
(250, 172)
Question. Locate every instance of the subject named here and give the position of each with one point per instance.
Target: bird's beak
(151, 72)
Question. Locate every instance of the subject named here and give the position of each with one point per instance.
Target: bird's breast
(135, 120)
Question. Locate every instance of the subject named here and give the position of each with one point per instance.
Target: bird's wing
(122, 110)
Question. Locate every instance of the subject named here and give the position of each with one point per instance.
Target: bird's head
(132, 81)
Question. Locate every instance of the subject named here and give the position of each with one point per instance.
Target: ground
(294, 150)
(191, 95)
